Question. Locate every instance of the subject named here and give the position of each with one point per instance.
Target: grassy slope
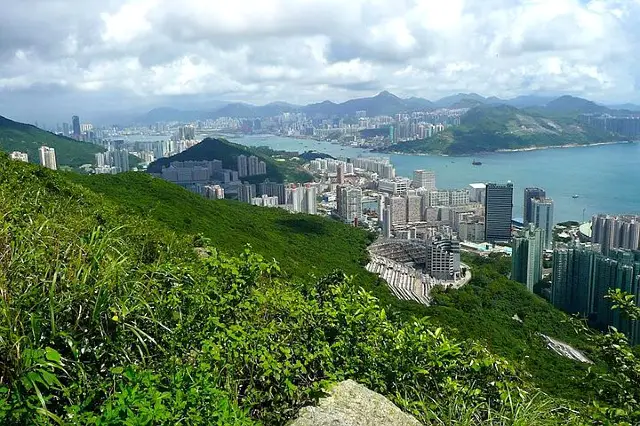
(306, 244)
(303, 244)
(228, 152)
(27, 138)
(491, 128)
(148, 334)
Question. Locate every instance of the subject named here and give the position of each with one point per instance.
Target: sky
(111, 58)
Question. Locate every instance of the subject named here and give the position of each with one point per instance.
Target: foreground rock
(351, 404)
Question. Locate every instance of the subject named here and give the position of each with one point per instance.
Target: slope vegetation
(118, 305)
(16, 136)
(228, 152)
(493, 128)
(110, 318)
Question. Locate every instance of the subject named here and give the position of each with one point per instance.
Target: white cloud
(311, 50)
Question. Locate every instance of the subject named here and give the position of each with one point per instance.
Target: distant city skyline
(106, 59)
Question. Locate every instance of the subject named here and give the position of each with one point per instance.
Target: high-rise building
(531, 194)
(48, 157)
(349, 203)
(542, 217)
(477, 192)
(75, 124)
(246, 192)
(340, 175)
(120, 160)
(527, 257)
(243, 170)
(19, 156)
(309, 200)
(573, 277)
(582, 277)
(424, 179)
(615, 232)
(414, 211)
(252, 164)
(443, 259)
(65, 129)
(294, 197)
(386, 221)
(498, 212)
(398, 208)
(273, 189)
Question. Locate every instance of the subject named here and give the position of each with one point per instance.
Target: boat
(575, 196)
(476, 163)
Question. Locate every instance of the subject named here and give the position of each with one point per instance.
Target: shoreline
(527, 149)
(429, 154)
(569, 145)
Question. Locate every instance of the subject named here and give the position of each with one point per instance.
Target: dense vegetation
(493, 128)
(118, 305)
(302, 244)
(228, 152)
(27, 138)
(110, 318)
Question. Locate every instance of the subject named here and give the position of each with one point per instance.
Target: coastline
(570, 145)
(527, 149)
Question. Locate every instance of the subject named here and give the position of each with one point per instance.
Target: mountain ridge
(383, 103)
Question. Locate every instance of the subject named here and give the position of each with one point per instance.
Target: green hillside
(502, 127)
(228, 152)
(127, 300)
(16, 136)
(311, 245)
(303, 244)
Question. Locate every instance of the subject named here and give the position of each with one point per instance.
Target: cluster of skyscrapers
(112, 162)
(582, 277)
(251, 166)
(615, 232)
(292, 197)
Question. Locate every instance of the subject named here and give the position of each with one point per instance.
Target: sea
(605, 178)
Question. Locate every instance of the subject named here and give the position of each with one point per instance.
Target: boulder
(351, 404)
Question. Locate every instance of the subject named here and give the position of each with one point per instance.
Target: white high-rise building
(309, 201)
(19, 156)
(48, 157)
(349, 203)
(424, 179)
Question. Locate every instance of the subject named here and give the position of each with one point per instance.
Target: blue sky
(94, 57)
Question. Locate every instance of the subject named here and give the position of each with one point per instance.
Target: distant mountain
(571, 104)
(242, 110)
(626, 107)
(501, 127)
(464, 98)
(227, 152)
(528, 101)
(16, 136)
(166, 114)
(384, 103)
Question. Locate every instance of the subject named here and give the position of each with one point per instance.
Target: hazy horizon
(122, 57)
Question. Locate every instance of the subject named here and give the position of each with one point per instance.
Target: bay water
(606, 178)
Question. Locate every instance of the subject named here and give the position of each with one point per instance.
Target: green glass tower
(527, 257)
